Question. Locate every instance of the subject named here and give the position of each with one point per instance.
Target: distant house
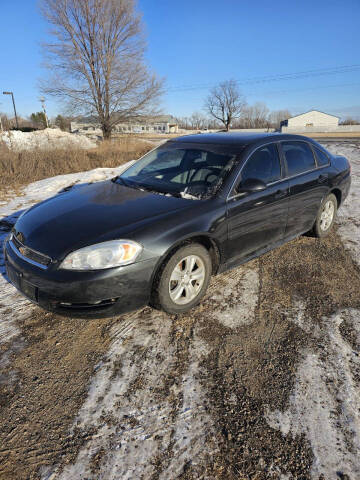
(312, 119)
(157, 124)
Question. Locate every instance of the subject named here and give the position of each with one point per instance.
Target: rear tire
(183, 280)
(326, 216)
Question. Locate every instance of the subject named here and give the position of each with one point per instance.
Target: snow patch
(188, 196)
(244, 286)
(49, 138)
(131, 415)
(325, 402)
(349, 213)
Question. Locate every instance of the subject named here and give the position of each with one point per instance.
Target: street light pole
(12, 96)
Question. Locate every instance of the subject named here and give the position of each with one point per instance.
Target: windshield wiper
(124, 182)
(147, 188)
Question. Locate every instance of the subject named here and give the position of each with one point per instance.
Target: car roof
(236, 138)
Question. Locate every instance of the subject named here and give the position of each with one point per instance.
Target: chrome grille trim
(27, 259)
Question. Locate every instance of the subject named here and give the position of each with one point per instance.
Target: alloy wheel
(187, 279)
(327, 215)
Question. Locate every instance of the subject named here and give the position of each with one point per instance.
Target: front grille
(30, 254)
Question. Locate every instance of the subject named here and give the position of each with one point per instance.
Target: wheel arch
(206, 241)
(338, 194)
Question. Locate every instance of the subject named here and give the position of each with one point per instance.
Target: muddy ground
(260, 381)
(243, 368)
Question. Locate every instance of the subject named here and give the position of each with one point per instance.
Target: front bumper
(100, 293)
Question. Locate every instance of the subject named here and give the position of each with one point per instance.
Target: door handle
(280, 193)
(323, 178)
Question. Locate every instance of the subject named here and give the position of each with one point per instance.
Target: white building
(311, 121)
(158, 124)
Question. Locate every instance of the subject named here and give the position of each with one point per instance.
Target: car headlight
(102, 255)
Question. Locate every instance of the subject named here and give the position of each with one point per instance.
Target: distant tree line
(252, 116)
(349, 121)
(36, 121)
(225, 108)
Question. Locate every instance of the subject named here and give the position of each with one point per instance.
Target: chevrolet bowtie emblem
(20, 237)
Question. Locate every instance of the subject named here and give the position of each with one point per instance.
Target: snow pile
(44, 139)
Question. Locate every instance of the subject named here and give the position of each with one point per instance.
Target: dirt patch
(253, 369)
(51, 374)
(183, 397)
(350, 334)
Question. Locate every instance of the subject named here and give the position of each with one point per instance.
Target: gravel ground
(261, 381)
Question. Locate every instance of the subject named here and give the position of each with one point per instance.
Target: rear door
(308, 184)
(257, 219)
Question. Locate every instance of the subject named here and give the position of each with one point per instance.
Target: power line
(274, 78)
(303, 89)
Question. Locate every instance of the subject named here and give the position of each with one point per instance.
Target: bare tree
(97, 60)
(225, 102)
(197, 121)
(349, 121)
(6, 124)
(260, 115)
(277, 116)
(255, 116)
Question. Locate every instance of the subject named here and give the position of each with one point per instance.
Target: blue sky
(201, 42)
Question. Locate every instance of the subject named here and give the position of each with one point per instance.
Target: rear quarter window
(298, 156)
(321, 157)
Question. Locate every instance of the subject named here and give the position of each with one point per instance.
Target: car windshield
(184, 172)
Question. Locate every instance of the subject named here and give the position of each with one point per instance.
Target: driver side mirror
(251, 185)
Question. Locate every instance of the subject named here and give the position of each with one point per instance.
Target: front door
(257, 220)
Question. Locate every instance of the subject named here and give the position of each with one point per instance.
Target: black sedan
(194, 207)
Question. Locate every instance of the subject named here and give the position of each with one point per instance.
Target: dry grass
(21, 168)
(332, 134)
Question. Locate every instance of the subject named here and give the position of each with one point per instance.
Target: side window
(322, 158)
(264, 164)
(299, 157)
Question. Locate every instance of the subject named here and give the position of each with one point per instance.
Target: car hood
(91, 214)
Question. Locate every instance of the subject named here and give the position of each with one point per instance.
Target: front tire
(326, 216)
(183, 280)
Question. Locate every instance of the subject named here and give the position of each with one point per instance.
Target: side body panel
(256, 220)
(306, 193)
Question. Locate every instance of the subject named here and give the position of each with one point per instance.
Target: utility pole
(42, 100)
(12, 96)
